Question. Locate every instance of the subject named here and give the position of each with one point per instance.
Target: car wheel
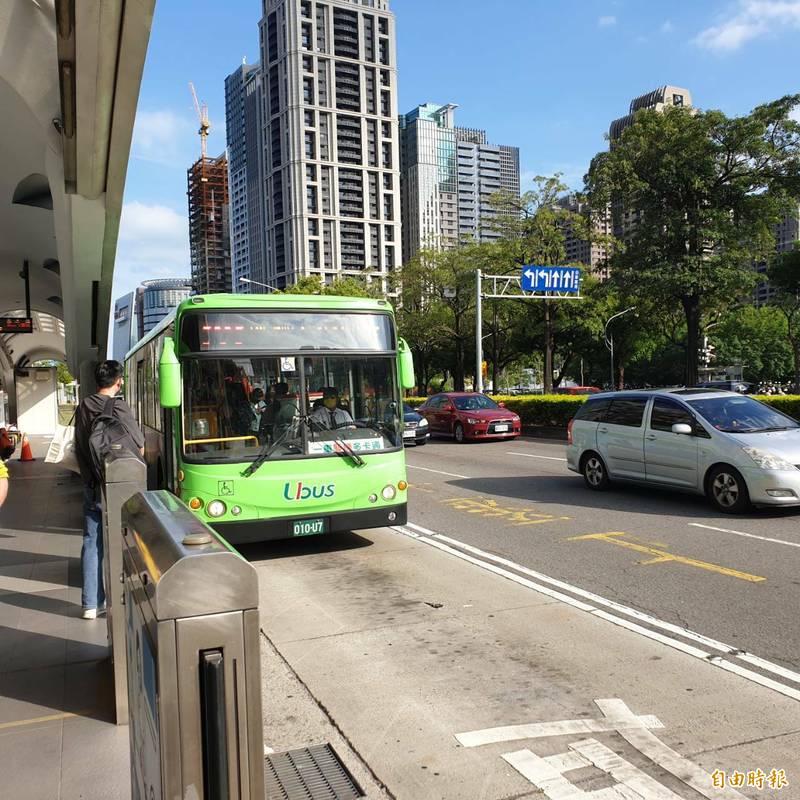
(458, 433)
(594, 472)
(727, 490)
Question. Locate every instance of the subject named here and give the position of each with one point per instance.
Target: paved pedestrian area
(57, 734)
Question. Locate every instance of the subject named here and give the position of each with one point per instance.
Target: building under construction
(209, 240)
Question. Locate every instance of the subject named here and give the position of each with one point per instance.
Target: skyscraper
(155, 299)
(585, 251)
(243, 120)
(331, 176)
(448, 175)
(655, 100)
(126, 326)
(209, 243)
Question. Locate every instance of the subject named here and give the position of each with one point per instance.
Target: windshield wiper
(266, 451)
(346, 451)
(778, 428)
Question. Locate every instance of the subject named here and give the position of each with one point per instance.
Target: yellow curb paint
(38, 720)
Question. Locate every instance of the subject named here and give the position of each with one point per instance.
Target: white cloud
(667, 26)
(606, 22)
(153, 243)
(795, 114)
(164, 137)
(751, 19)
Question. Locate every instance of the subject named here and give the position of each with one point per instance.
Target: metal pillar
(125, 476)
(478, 332)
(193, 651)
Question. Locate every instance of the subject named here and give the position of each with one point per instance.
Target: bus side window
(139, 387)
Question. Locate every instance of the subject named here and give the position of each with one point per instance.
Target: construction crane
(202, 115)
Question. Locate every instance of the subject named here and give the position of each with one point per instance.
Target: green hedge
(556, 410)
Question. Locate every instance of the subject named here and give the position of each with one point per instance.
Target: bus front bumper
(263, 530)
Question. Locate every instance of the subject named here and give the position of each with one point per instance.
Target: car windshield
(238, 408)
(738, 414)
(474, 402)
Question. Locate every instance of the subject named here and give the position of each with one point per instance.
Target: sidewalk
(405, 647)
(57, 735)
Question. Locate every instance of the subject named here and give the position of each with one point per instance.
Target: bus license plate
(308, 527)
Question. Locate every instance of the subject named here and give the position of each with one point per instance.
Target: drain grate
(309, 773)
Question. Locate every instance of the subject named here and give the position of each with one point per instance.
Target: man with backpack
(103, 421)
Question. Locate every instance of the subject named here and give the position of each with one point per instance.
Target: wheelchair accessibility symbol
(225, 488)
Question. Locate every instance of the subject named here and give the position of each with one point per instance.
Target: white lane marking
(674, 763)
(439, 471)
(641, 616)
(548, 772)
(544, 776)
(613, 719)
(531, 455)
(437, 541)
(748, 535)
(424, 531)
(623, 771)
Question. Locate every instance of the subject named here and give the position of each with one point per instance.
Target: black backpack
(108, 434)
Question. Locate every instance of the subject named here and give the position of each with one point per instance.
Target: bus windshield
(288, 405)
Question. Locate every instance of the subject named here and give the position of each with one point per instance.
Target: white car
(732, 448)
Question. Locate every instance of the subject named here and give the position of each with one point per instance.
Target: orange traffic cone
(25, 454)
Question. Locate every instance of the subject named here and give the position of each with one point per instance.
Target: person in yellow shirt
(3, 482)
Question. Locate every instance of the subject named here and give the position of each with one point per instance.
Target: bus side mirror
(405, 363)
(169, 376)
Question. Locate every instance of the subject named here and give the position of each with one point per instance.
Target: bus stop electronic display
(16, 324)
(287, 332)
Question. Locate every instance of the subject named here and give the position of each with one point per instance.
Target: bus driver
(329, 416)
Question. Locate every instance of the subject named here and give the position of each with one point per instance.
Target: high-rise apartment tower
(209, 244)
(243, 124)
(448, 175)
(331, 160)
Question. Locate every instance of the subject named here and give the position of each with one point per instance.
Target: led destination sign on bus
(287, 332)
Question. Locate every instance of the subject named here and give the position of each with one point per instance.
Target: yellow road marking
(662, 556)
(487, 507)
(37, 720)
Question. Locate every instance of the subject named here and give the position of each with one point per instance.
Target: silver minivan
(730, 447)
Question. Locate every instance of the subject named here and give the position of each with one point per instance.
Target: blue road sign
(551, 279)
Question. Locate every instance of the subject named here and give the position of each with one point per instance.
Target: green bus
(275, 416)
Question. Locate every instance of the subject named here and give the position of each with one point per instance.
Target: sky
(545, 76)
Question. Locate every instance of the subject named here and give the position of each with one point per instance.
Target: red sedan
(469, 415)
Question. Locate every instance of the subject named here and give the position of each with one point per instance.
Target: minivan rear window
(627, 411)
(593, 410)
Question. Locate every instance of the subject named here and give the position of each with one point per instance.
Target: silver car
(730, 447)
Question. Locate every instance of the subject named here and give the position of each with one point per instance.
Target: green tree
(784, 275)
(756, 338)
(532, 229)
(63, 374)
(344, 287)
(438, 305)
(707, 189)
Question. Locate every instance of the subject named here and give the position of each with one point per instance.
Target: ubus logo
(300, 492)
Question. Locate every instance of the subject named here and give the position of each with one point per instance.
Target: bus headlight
(216, 508)
(373, 498)
(195, 503)
(402, 486)
(388, 492)
(236, 510)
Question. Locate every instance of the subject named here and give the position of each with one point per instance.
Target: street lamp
(258, 283)
(609, 337)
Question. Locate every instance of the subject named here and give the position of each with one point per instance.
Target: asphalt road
(670, 555)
